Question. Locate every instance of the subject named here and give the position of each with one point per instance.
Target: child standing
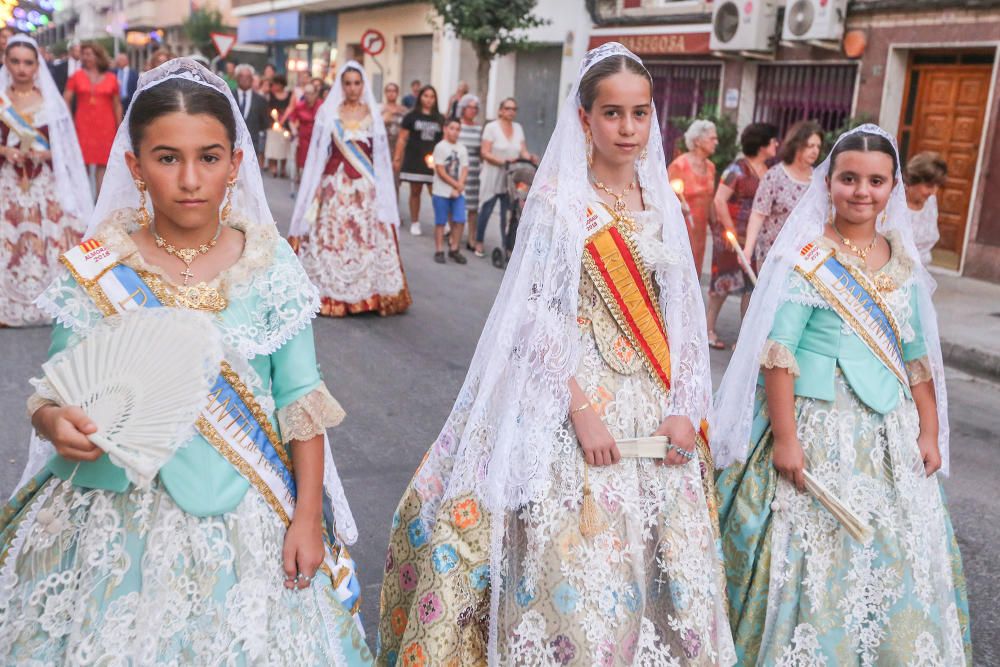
(924, 174)
(451, 168)
(838, 375)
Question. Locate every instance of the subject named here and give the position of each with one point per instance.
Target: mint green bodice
(266, 324)
(822, 342)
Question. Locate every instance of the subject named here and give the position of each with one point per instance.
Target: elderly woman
(301, 117)
(696, 173)
(471, 136)
(923, 175)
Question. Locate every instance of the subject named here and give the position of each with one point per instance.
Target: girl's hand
(39, 156)
(929, 453)
(303, 552)
(596, 441)
(681, 433)
(790, 461)
(67, 429)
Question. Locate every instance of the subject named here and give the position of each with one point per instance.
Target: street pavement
(397, 377)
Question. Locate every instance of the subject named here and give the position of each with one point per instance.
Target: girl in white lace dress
(838, 375)
(202, 566)
(44, 192)
(527, 537)
(345, 220)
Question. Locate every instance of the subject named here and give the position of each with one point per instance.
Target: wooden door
(944, 112)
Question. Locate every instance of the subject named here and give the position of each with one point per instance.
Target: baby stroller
(518, 176)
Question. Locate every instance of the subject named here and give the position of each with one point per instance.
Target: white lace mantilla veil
(499, 440)
(386, 208)
(72, 184)
(249, 203)
(734, 401)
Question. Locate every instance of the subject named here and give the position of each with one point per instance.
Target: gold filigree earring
(227, 209)
(589, 148)
(142, 212)
(643, 155)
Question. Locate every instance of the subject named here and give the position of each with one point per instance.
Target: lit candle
(429, 160)
(744, 263)
(678, 187)
(276, 126)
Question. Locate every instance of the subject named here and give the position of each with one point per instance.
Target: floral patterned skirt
(351, 257)
(801, 590)
(92, 577)
(648, 589)
(34, 232)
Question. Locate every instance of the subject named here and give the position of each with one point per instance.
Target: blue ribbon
(869, 304)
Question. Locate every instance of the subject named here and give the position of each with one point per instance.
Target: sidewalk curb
(974, 361)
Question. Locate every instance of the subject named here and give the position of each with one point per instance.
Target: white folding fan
(141, 377)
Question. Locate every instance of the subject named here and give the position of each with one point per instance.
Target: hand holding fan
(142, 377)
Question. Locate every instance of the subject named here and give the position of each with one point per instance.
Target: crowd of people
(590, 499)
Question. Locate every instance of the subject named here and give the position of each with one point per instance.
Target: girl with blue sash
(235, 553)
(44, 191)
(346, 217)
(837, 379)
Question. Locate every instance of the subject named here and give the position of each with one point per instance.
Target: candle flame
(429, 160)
(678, 186)
(730, 236)
(274, 114)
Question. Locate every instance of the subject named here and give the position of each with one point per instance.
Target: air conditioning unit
(744, 25)
(814, 20)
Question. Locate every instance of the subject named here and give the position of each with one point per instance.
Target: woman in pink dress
(98, 107)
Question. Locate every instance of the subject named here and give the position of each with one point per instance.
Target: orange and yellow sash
(614, 265)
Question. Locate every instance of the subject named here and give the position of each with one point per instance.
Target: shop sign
(680, 43)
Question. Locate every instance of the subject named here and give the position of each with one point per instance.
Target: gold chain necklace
(862, 253)
(186, 255)
(620, 205)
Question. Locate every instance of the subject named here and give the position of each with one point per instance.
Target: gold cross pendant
(187, 274)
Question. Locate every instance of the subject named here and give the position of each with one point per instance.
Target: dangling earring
(228, 208)
(590, 149)
(142, 212)
(881, 223)
(643, 154)
(829, 202)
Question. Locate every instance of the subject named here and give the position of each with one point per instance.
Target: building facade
(925, 70)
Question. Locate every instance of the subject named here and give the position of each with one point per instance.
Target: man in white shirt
(128, 79)
(253, 106)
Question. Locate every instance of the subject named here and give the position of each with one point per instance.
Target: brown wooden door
(943, 112)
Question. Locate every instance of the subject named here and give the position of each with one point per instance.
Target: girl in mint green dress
(205, 565)
(838, 375)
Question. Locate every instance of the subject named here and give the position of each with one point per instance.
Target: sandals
(714, 342)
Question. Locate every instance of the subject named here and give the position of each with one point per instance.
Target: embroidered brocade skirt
(801, 590)
(95, 577)
(34, 232)
(647, 590)
(352, 258)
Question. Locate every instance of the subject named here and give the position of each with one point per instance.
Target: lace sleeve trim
(776, 355)
(919, 371)
(44, 395)
(310, 415)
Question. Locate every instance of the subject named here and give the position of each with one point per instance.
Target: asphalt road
(397, 377)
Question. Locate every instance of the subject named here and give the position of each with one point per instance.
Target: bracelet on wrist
(579, 409)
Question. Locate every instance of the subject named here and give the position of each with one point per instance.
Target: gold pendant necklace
(186, 255)
(620, 205)
(860, 252)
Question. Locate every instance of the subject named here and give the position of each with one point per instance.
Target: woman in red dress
(302, 117)
(98, 107)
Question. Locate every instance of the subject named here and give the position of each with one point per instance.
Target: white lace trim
(310, 415)
(270, 297)
(776, 355)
